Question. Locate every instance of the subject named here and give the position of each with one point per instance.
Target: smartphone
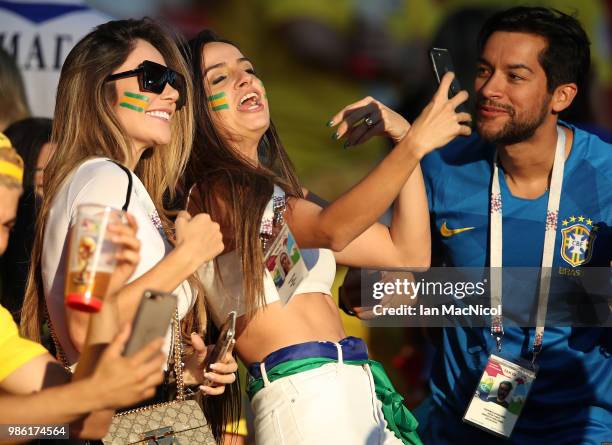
(152, 319)
(442, 63)
(224, 343)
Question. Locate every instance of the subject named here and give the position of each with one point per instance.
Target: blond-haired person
(11, 175)
(32, 383)
(123, 99)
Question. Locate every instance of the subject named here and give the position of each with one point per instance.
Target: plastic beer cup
(91, 257)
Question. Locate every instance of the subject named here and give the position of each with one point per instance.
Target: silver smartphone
(224, 343)
(152, 319)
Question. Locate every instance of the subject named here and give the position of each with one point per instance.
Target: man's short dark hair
(507, 383)
(567, 58)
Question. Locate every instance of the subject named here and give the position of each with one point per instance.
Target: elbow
(336, 240)
(423, 263)
(338, 245)
(417, 262)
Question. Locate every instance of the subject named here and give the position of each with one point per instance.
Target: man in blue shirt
(532, 63)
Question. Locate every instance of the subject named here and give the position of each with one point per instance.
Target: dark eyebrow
(219, 65)
(483, 61)
(212, 67)
(519, 66)
(513, 66)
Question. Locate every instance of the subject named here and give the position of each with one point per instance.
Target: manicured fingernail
(347, 144)
(330, 123)
(213, 366)
(335, 136)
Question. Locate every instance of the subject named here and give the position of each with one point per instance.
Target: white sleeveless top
(224, 292)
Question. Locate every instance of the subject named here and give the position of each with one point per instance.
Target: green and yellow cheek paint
(134, 101)
(218, 101)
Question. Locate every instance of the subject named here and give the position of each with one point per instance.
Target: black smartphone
(442, 63)
(152, 319)
(224, 343)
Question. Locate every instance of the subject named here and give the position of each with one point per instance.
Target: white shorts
(332, 404)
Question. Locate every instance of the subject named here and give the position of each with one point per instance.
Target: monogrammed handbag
(178, 422)
(167, 423)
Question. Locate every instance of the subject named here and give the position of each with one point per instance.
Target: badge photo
(500, 396)
(285, 264)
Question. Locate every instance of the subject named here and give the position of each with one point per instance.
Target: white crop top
(224, 291)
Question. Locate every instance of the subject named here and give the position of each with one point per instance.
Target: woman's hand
(438, 123)
(362, 120)
(128, 255)
(224, 370)
(198, 237)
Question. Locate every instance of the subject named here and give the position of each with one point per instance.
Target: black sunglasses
(153, 77)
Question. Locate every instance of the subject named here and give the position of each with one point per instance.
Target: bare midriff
(307, 317)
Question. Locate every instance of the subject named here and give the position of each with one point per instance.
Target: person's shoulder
(462, 151)
(99, 170)
(588, 142)
(592, 149)
(97, 181)
(99, 166)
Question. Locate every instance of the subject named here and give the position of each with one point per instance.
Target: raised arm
(405, 243)
(343, 221)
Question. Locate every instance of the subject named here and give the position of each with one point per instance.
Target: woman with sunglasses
(121, 112)
(309, 384)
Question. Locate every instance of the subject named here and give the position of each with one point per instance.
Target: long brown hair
(231, 189)
(85, 126)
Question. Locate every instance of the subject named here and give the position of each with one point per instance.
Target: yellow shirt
(14, 350)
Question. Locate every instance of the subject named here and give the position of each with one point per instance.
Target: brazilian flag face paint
(134, 101)
(218, 101)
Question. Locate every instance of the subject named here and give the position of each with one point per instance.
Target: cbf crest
(579, 234)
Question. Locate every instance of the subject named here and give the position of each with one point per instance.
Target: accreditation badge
(500, 395)
(284, 262)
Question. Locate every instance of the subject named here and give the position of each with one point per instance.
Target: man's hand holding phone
(442, 63)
